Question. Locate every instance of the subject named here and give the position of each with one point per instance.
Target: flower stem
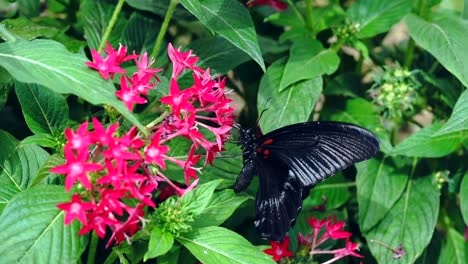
(308, 14)
(158, 120)
(111, 24)
(165, 25)
(92, 248)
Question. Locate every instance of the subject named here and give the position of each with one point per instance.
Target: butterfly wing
(292, 159)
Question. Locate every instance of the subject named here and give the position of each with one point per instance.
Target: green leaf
(464, 198)
(423, 143)
(160, 8)
(17, 172)
(458, 121)
(379, 187)
(444, 37)
(361, 112)
(43, 140)
(308, 60)
(33, 229)
(8, 143)
(455, 251)
(29, 8)
(231, 20)
(139, 34)
(159, 244)
(95, 17)
(373, 17)
(54, 160)
(333, 193)
(410, 222)
(346, 84)
(213, 245)
(293, 105)
(198, 199)
(220, 208)
(26, 29)
(218, 54)
(48, 63)
(45, 112)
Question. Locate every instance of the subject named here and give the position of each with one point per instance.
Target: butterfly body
(291, 160)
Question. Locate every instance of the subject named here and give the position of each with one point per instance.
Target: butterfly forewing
(291, 160)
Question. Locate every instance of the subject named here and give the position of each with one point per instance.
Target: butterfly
(290, 161)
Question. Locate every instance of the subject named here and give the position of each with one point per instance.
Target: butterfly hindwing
(291, 160)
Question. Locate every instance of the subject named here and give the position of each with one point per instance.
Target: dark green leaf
(140, 34)
(424, 143)
(54, 160)
(374, 17)
(159, 244)
(17, 172)
(214, 245)
(231, 20)
(410, 222)
(33, 229)
(455, 251)
(308, 60)
(95, 17)
(160, 8)
(43, 140)
(198, 199)
(218, 54)
(220, 208)
(45, 112)
(29, 8)
(379, 187)
(293, 105)
(49, 64)
(332, 193)
(8, 143)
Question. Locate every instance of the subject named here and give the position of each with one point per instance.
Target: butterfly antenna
(263, 111)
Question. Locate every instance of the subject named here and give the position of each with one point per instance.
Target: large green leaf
(459, 119)
(33, 229)
(220, 208)
(159, 244)
(293, 105)
(48, 63)
(423, 143)
(8, 145)
(373, 17)
(18, 172)
(199, 198)
(308, 60)
(218, 54)
(231, 20)
(444, 37)
(45, 112)
(464, 198)
(455, 250)
(26, 29)
(409, 223)
(379, 186)
(214, 245)
(363, 113)
(332, 193)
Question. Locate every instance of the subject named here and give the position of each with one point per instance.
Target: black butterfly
(291, 160)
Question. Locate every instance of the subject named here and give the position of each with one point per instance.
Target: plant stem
(92, 248)
(165, 25)
(111, 24)
(158, 120)
(294, 8)
(308, 14)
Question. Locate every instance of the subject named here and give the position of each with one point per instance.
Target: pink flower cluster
(107, 167)
(333, 230)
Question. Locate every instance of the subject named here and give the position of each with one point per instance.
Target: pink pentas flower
(155, 152)
(75, 209)
(76, 168)
(107, 67)
(279, 250)
(79, 140)
(178, 100)
(120, 55)
(348, 250)
(335, 230)
(276, 4)
(181, 61)
(128, 94)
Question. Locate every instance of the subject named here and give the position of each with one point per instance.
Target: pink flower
(154, 152)
(348, 250)
(276, 4)
(75, 209)
(106, 67)
(181, 61)
(279, 250)
(178, 100)
(335, 231)
(129, 95)
(76, 168)
(79, 141)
